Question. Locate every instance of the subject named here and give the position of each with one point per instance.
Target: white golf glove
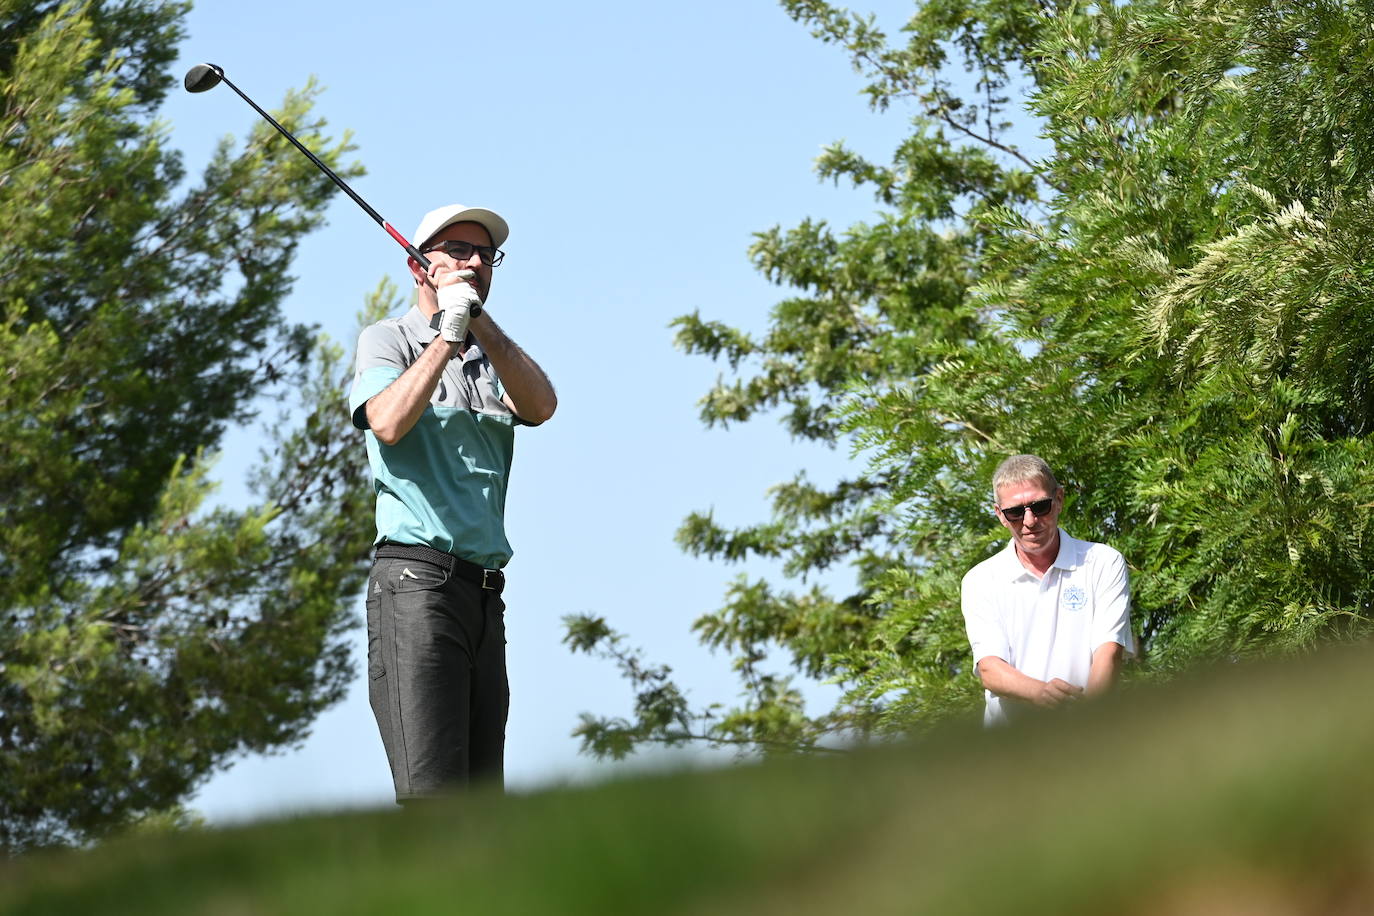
(460, 303)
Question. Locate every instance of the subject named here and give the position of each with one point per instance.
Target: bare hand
(441, 275)
(1056, 691)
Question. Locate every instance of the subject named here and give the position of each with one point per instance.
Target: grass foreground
(1244, 790)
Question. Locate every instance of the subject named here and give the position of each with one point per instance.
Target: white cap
(436, 220)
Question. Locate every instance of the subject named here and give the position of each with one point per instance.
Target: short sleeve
(381, 360)
(1112, 602)
(987, 636)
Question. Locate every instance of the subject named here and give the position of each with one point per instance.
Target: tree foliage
(1169, 303)
(146, 635)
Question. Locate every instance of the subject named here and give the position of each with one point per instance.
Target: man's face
(1036, 535)
(472, 233)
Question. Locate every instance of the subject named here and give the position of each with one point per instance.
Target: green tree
(872, 306)
(146, 636)
(1170, 306)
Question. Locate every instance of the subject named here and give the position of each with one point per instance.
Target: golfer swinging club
(1049, 617)
(439, 392)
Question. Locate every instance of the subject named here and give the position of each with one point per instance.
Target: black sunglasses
(461, 251)
(1040, 508)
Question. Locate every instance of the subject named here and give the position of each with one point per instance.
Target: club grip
(410, 249)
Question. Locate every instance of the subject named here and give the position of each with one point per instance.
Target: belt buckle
(488, 572)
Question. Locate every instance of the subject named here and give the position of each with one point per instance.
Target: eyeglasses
(461, 251)
(1040, 508)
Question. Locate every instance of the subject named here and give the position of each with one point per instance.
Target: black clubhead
(207, 76)
(202, 77)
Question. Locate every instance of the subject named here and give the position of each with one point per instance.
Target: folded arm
(1106, 667)
(1002, 679)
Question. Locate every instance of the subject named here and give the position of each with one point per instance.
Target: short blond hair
(1022, 468)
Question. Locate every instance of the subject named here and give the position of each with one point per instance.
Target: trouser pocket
(376, 661)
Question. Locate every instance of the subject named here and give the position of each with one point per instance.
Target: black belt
(493, 580)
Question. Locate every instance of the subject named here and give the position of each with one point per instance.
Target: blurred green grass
(1240, 790)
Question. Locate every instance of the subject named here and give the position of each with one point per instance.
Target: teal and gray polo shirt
(443, 484)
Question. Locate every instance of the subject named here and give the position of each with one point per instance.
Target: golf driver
(203, 77)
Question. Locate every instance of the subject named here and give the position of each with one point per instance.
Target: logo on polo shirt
(1074, 598)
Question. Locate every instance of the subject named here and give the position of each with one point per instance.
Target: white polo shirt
(1049, 627)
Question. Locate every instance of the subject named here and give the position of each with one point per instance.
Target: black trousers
(436, 667)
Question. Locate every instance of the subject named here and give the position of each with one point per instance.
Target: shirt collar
(418, 327)
(1069, 556)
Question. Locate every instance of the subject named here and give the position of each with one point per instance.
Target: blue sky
(634, 148)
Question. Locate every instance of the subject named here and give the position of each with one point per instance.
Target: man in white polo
(1048, 617)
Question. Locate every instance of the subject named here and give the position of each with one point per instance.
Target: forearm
(1106, 668)
(1005, 681)
(394, 412)
(528, 388)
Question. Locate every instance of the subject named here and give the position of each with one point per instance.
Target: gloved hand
(460, 304)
